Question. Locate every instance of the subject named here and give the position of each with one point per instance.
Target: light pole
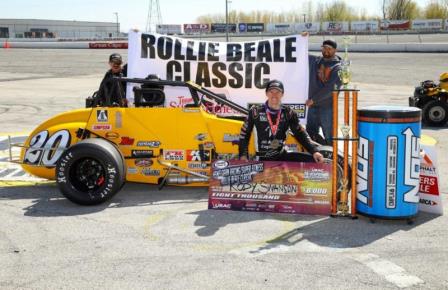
(118, 28)
(227, 21)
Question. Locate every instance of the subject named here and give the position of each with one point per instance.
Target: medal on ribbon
(273, 126)
(275, 144)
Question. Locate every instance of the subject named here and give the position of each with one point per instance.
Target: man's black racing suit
(270, 146)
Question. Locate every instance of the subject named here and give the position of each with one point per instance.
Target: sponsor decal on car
(126, 141)
(143, 162)
(153, 144)
(231, 137)
(200, 137)
(209, 145)
(142, 153)
(118, 120)
(132, 170)
(174, 155)
(101, 127)
(197, 165)
(102, 116)
(190, 110)
(112, 135)
(205, 173)
(181, 102)
(38, 152)
(227, 156)
(197, 155)
(150, 172)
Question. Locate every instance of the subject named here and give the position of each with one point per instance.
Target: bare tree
(384, 10)
(402, 9)
(436, 10)
(338, 11)
(334, 11)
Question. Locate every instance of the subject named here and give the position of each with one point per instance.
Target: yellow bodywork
(181, 131)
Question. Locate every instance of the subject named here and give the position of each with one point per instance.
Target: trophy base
(343, 211)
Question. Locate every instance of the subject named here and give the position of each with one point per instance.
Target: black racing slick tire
(90, 172)
(435, 113)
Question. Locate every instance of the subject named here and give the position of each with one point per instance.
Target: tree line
(337, 10)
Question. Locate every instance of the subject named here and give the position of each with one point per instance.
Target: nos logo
(411, 167)
(46, 150)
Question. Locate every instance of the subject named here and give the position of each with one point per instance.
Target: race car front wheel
(435, 113)
(90, 172)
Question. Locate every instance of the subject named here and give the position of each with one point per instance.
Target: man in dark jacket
(271, 122)
(323, 79)
(110, 88)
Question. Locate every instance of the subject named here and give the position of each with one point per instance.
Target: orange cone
(6, 44)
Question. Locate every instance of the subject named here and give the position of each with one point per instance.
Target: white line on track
(390, 271)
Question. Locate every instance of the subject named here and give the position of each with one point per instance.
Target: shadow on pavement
(47, 201)
(211, 221)
(324, 231)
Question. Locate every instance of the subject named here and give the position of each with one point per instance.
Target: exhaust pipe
(174, 179)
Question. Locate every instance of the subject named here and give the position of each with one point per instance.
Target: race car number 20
(45, 149)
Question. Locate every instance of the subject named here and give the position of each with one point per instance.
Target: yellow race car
(92, 152)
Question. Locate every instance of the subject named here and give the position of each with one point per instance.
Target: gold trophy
(349, 130)
(345, 74)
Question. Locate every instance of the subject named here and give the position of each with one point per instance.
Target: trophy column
(342, 178)
(349, 130)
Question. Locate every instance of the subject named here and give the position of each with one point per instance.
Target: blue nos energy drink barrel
(388, 161)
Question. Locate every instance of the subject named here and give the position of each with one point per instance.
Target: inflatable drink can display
(388, 161)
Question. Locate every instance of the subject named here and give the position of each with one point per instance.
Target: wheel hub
(89, 175)
(437, 113)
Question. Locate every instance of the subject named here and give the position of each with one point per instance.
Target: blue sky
(133, 13)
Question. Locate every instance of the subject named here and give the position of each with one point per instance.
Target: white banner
(335, 26)
(169, 28)
(237, 70)
(280, 27)
(308, 26)
(429, 24)
(364, 26)
(430, 196)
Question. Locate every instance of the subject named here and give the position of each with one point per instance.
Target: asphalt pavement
(150, 239)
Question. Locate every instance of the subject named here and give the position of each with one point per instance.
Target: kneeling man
(272, 121)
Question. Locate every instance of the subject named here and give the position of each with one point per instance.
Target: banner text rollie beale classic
(246, 64)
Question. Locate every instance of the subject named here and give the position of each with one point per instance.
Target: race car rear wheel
(90, 172)
(435, 113)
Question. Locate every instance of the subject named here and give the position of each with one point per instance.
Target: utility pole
(118, 25)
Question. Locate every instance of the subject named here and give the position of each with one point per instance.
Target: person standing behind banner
(323, 78)
(109, 87)
(272, 122)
